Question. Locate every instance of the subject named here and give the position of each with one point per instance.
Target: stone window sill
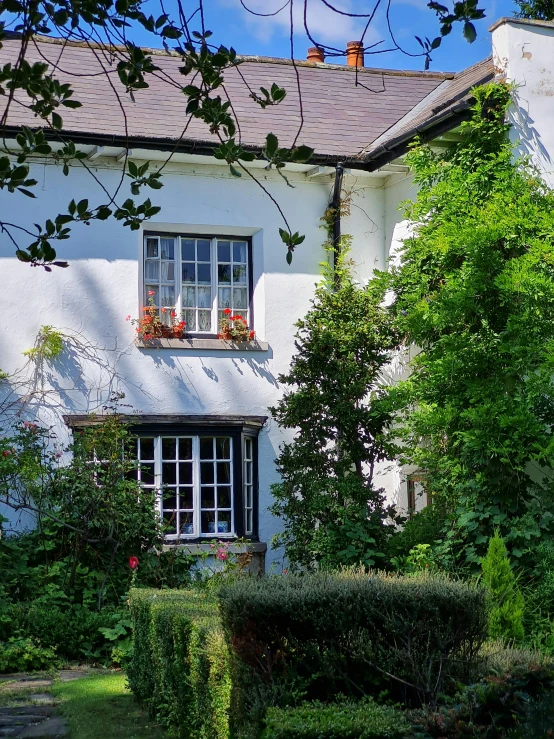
(204, 344)
(196, 547)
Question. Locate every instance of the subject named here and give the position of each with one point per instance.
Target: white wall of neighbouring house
(523, 52)
(90, 300)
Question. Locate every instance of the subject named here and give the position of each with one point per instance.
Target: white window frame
(178, 284)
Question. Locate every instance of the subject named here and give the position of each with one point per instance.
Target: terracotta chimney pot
(355, 54)
(316, 54)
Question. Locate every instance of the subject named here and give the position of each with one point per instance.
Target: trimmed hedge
(179, 666)
(314, 637)
(364, 720)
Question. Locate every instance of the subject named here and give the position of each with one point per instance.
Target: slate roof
(344, 110)
(449, 99)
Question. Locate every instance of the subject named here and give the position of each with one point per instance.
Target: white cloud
(325, 25)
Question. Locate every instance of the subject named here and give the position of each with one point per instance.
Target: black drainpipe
(339, 171)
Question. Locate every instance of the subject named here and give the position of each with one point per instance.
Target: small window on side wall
(418, 496)
(197, 278)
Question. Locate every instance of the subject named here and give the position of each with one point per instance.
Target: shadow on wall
(529, 141)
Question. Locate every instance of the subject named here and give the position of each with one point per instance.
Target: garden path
(27, 709)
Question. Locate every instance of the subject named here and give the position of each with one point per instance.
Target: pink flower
(151, 292)
(30, 426)
(133, 563)
(222, 554)
(128, 318)
(58, 455)
(6, 453)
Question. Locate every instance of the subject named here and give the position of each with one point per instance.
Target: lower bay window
(205, 479)
(204, 470)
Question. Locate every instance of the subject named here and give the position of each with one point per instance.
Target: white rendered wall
(101, 287)
(523, 51)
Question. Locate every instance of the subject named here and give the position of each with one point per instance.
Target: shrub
(179, 662)
(517, 704)
(507, 604)
(19, 654)
(424, 528)
(363, 720)
(314, 637)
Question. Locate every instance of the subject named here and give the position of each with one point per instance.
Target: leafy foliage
(363, 720)
(541, 10)
(475, 293)
(506, 613)
(331, 510)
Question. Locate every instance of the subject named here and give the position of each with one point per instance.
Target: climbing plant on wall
(474, 291)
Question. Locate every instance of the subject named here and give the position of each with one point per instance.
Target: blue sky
(233, 25)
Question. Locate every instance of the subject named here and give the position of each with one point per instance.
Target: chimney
(355, 54)
(316, 54)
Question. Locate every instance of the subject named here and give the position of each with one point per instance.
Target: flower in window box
(155, 324)
(235, 328)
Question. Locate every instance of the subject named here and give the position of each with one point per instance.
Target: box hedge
(179, 666)
(363, 720)
(314, 637)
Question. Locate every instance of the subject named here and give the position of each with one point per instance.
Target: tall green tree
(506, 601)
(335, 400)
(475, 293)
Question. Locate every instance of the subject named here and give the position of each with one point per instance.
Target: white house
(201, 403)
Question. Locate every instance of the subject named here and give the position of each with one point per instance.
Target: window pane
(152, 249)
(169, 500)
(147, 473)
(224, 297)
(168, 295)
(204, 320)
(206, 448)
(189, 316)
(223, 497)
(224, 522)
(239, 251)
(207, 522)
(187, 250)
(146, 448)
(204, 274)
(169, 447)
(168, 248)
(239, 275)
(204, 297)
(207, 497)
(189, 272)
(170, 522)
(223, 448)
(249, 521)
(187, 527)
(207, 473)
(168, 271)
(185, 473)
(152, 270)
(223, 473)
(239, 298)
(185, 498)
(185, 448)
(169, 473)
(204, 250)
(223, 251)
(224, 273)
(189, 297)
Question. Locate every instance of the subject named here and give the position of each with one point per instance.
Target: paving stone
(54, 726)
(24, 683)
(67, 675)
(40, 711)
(9, 731)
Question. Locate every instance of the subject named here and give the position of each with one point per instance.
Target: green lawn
(101, 707)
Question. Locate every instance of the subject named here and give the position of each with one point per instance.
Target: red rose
(133, 563)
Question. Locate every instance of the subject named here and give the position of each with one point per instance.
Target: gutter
(339, 172)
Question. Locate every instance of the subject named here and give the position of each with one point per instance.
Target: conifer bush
(507, 603)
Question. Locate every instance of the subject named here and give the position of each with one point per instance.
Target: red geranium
(133, 563)
(227, 311)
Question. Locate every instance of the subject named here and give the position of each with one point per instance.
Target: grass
(101, 706)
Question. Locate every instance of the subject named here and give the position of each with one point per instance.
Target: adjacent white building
(200, 404)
